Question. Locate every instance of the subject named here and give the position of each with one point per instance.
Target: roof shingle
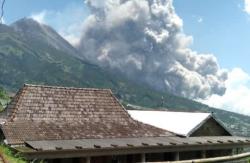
(61, 113)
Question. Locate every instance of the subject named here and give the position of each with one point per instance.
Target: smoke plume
(144, 40)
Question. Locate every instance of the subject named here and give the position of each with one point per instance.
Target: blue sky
(222, 27)
(63, 15)
(16, 9)
(223, 31)
(219, 27)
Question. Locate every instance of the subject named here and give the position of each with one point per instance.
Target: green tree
(4, 98)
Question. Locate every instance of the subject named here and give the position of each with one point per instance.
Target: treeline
(4, 99)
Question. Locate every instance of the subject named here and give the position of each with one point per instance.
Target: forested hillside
(43, 57)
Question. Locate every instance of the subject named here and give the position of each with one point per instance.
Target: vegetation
(4, 99)
(30, 59)
(10, 156)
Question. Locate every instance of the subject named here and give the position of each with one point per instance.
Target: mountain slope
(43, 34)
(28, 57)
(35, 53)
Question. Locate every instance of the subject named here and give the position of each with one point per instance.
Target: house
(186, 124)
(84, 125)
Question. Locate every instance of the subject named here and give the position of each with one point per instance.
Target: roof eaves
(157, 142)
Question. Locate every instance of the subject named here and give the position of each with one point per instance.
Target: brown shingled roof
(60, 113)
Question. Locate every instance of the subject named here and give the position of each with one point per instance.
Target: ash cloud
(144, 40)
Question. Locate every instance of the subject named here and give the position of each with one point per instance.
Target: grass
(10, 156)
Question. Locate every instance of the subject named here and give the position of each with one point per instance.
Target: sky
(218, 27)
(221, 28)
(63, 15)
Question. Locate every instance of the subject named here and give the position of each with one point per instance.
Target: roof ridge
(16, 101)
(119, 103)
(169, 111)
(142, 108)
(62, 87)
(94, 114)
(220, 122)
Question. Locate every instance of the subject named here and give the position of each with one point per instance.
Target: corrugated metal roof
(181, 123)
(82, 144)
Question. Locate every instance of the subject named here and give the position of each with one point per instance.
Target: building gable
(184, 124)
(210, 128)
